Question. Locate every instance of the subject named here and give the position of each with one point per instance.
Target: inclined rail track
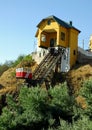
(45, 67)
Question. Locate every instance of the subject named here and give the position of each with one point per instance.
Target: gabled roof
(59, 21)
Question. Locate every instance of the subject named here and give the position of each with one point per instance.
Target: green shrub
(29, 111)
(17, 61)
(27, 61)
(63, 102)
(37, 108)
(81, 124)
(3, 68)
(86, 92)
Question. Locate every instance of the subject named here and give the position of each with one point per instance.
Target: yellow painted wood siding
(50, 31)
(73, 44)
(63, 43)
(52, 25)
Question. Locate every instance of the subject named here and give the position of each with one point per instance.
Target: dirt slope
(75, 77)
(8, 81)
(78, 75)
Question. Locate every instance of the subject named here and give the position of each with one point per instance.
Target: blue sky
(19, 18)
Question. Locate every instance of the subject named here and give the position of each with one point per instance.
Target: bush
(63, 102)
(34, 108)
(3, 68)
(22, 61)
(81, 124)
(30, 111)
(16, 62)
(37, 108)
(27, 61)
(86, 92)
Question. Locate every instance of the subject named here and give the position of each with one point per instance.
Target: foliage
(3, 68)
(18, 60)
(82, 124)
(37, 108)
(86, 92)
(28, 111)
(27, 61)
(22, 60)
(63, 102)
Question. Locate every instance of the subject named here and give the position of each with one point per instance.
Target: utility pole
(83, 43)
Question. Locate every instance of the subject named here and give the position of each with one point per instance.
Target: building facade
(54, 32)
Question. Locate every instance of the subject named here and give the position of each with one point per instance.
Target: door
(52, 42)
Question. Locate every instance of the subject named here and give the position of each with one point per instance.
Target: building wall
(39, 54)
(54, 30)
(63, 42)
(73, 44)
(50, 31)
(71, 41)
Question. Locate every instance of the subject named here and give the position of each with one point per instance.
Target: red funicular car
(23, 73)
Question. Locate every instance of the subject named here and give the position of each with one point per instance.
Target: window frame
(62, 36)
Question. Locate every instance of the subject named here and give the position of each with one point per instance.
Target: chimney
(70, 23)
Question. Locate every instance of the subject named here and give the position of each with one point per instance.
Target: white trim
(65, 60)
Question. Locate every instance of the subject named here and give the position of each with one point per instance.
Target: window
(49, 22)
(43, 38)
(40, 54)
(74, 52)
(62, 36)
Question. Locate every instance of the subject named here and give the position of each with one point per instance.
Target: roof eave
(59, 21)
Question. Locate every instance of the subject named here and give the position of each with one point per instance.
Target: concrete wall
(84, 56)
(39, 55)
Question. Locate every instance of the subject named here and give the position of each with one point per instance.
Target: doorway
(52, 42)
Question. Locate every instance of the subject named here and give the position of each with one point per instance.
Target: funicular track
(45, 67)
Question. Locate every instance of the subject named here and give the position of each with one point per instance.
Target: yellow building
(54, 32)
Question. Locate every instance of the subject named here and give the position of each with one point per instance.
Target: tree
(37, 108)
